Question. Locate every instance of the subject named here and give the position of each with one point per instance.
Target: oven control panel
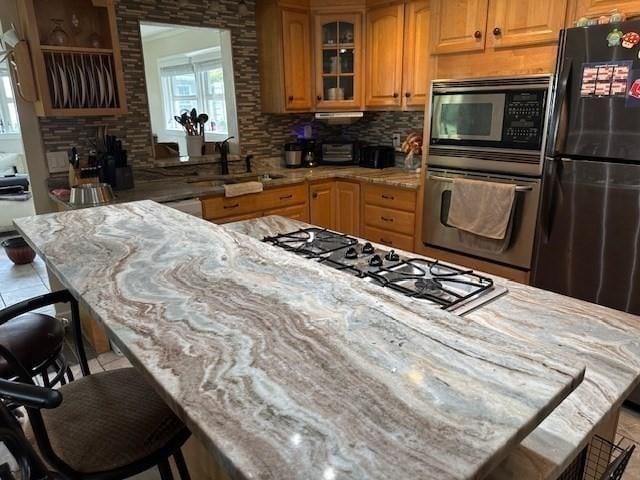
(523, 118)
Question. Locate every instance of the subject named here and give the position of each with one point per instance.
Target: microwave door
(468, 117)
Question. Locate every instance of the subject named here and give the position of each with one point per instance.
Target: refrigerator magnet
(630, 39)
(633, 94)
(614, 37)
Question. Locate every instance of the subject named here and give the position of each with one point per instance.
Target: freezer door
(595, 81)
(588, 243)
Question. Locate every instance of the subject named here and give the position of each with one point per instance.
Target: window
(198, 81)
(8, 111)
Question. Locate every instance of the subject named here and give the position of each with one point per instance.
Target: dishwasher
(192, 206)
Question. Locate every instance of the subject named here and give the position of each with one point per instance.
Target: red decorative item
(18, 251)
(634, 91)
(630, 39)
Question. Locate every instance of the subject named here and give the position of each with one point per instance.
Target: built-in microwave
(484, 121)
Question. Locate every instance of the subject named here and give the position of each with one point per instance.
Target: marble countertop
(606, 340)
(287, 369)
(181, 188)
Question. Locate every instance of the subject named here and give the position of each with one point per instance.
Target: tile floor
(19, 282)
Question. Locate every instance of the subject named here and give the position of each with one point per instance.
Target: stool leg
(181, 465)
(45, 377)
(69, 374)
(165, 469)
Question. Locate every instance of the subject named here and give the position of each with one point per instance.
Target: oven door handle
(519, 188)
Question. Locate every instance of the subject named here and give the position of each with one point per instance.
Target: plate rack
(81, 80)
(76, 57)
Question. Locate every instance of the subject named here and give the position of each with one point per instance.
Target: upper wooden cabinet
(338, 60)
(296, 36)
(524, 22)
(284, 40)
(592, 8)
(384, 28)
(459, 26)
(397, 61)
(416, 54)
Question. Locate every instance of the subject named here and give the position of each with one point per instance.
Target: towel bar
(519, 188)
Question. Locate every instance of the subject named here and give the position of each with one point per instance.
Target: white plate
(70, 69)
(101, 86)
(65, 88)
(91, 84)
(109, 87)
(56, 89)
(82, 84)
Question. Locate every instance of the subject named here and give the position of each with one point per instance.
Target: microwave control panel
(523, 118)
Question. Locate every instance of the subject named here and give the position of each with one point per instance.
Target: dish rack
(81, 80)
(601, 460)
(76, 57)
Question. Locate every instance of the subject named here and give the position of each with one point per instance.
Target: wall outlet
(396, 140)
(58, 162)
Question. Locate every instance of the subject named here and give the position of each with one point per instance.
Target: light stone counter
(287, 369)
(606, 340)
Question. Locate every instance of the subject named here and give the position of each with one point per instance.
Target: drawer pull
(388, 242)
(228, 207)
(388, 197)
(286, 197)
(385, 219)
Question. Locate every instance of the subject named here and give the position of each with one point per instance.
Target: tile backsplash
(260, 134)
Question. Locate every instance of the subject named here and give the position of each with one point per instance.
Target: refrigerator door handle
(557, 128)
(551, 198)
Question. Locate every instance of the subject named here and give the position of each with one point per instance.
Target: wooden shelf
(338, 75)
(70, 49)
(338, 46)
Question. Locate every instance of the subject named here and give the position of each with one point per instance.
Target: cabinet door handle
(477, 34)
(387, 242)
(286, 197)
(386, 219)
(235, 205)
(388, 197)
(290, 98)
(314, 195)
(408, 94)
(396, 95)
(497, 31)
(319, 97)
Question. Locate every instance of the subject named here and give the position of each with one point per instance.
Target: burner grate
(443, 285)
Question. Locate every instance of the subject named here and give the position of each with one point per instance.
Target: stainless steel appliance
(518, 247)
(588, 243)
(373, 156)
(339, 153)
(293, 155)
(431, 281)
(491, 124)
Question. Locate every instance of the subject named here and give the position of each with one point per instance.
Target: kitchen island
(284, 368)
(606, 341)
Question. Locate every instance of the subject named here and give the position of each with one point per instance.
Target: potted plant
(193, 125)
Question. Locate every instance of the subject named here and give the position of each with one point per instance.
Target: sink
(264, 178)
(220, 181)
(208, 183)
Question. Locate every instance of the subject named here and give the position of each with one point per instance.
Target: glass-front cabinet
(338, 61)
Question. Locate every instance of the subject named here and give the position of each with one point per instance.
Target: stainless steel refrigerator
(588, 236)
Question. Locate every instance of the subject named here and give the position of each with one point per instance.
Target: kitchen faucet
(223, 148)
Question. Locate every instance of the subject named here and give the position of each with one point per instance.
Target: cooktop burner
(449, 287)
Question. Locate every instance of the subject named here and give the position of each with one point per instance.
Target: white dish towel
(244, 188)
(481, 208)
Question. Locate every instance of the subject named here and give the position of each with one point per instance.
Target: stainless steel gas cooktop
(446, 286)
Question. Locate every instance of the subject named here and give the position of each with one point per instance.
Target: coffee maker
(310, 153)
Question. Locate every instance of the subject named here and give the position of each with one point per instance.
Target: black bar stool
(109, 425)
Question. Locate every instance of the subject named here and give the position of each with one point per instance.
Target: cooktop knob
(375, 261)
(351, 253)
(392, 256)
(367, 248)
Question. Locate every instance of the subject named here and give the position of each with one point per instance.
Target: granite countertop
(182, 188)
(606, 340)
(288, 369)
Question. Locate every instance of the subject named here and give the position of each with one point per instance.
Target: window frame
(5, 101)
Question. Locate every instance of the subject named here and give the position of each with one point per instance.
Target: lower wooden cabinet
(289, 201)
(390, 239)
(296, 212)
(322, 204)
(348, 208)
